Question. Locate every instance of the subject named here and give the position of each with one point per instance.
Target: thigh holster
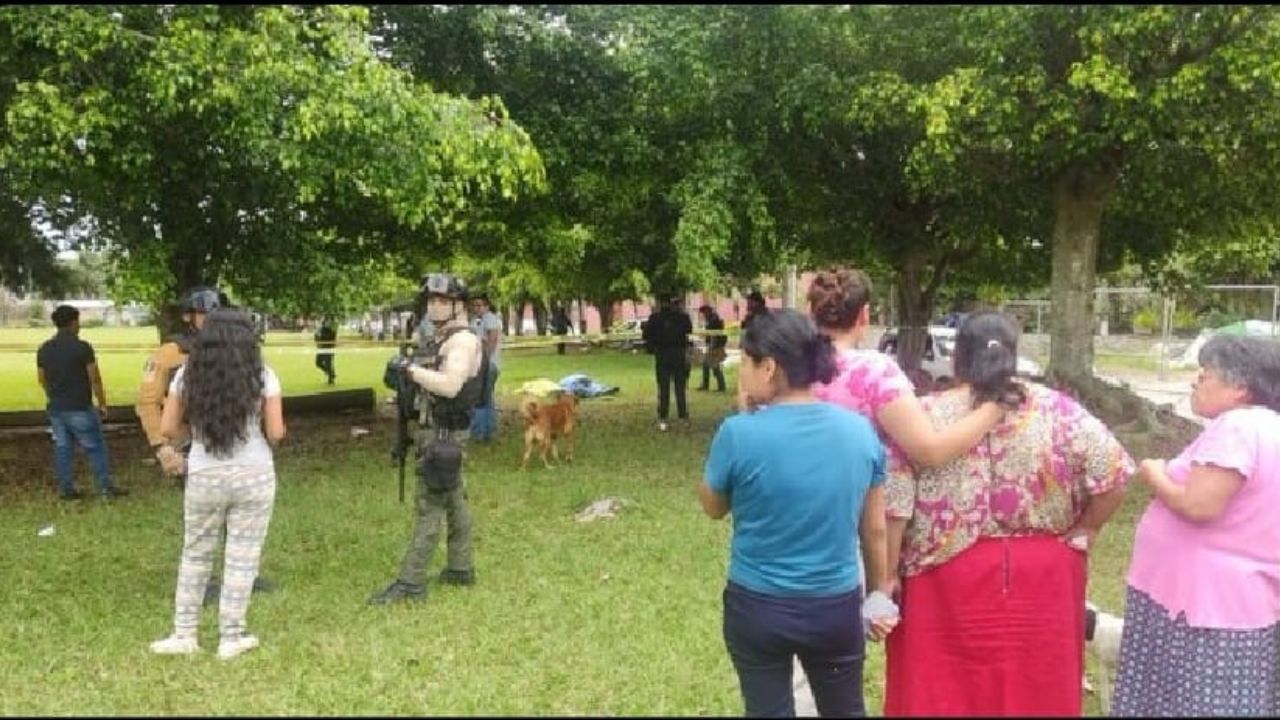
(440, 464)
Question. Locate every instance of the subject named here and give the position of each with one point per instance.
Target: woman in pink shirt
(871, 383)
(1202, 613)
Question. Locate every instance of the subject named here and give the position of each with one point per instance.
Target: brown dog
(545, 423)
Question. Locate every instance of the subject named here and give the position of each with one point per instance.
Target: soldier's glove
(171, 461)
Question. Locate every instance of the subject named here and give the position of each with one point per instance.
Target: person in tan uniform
(157, 377)
(453, 385)
(159, 371)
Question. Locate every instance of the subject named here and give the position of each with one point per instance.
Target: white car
(939, 353)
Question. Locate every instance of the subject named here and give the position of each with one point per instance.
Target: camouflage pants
(435, 512)
(241, 499)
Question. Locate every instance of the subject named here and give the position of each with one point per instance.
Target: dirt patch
(26, 459)
(1146, 430)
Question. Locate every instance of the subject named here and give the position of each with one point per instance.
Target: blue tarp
(584, 387)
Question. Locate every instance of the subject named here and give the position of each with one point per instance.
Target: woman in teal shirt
(803, 480)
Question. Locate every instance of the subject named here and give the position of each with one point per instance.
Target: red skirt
(997, 630)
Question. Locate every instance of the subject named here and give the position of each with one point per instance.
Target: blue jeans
(484, 418)
(84, 427)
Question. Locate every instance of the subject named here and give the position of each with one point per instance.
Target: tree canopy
(246, 144)
(605, 152)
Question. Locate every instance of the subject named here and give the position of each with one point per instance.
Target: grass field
(122, 352)
(616, 617)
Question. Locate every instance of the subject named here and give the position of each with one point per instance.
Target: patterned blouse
(1032, 475)
(865, 382)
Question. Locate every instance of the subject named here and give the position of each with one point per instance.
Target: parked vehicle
(939, 350)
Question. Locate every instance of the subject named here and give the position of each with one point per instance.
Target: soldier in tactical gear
(157, 374)
(449, 386)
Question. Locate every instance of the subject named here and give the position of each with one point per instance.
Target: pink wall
(731, 311)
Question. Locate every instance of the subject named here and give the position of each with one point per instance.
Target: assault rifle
(396, 377)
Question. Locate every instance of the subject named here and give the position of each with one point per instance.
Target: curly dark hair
(222, 381)
(837, 296)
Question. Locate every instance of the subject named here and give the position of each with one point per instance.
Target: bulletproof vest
(455, 413)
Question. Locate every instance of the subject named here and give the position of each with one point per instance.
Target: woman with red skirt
(992, 547)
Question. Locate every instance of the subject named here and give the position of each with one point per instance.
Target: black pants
(709, 368)
(764, 632)
(672, 368)
(324, 361)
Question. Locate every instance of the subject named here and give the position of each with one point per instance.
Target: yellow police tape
(307, 345)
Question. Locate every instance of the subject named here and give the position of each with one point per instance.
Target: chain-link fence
(1139, 330)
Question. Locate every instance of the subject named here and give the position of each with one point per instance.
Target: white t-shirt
(481, 327)
(255, 450)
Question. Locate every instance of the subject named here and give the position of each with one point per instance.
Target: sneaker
(662, 426)
(458, 577)
(73, 495)
(228, 649)
(112, 493)
(398, 591)
(176, 645)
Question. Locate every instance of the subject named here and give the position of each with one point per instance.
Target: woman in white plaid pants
(229, 402)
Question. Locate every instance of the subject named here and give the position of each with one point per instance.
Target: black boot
(398, 591)
(458, 577)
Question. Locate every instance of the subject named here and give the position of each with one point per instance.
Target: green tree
(1147, 125)
(861, 185)
(250, 145)
(559, 71)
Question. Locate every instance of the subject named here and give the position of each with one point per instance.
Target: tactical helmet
(443, 285)
(202, 299)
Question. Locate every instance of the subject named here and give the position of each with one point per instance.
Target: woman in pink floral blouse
(991, 546)
(871, 383)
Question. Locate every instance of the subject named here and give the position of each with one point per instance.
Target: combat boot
(398, 591)
(458, 577)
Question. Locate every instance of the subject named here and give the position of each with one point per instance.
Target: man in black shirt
(326, 340)
(755, 306)
(715, 349)
(560, 326)
(67, 369)
(666, 335)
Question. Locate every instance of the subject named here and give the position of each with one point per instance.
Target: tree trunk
(518, 318)
(915, 308)
(1079, 198)
(540, 317)
(168, 320)
(914, 311)
(605, 306)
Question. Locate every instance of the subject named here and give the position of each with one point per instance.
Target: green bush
(1146, 321)
(1218, 318)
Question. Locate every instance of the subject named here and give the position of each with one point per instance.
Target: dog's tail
(529, 408)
